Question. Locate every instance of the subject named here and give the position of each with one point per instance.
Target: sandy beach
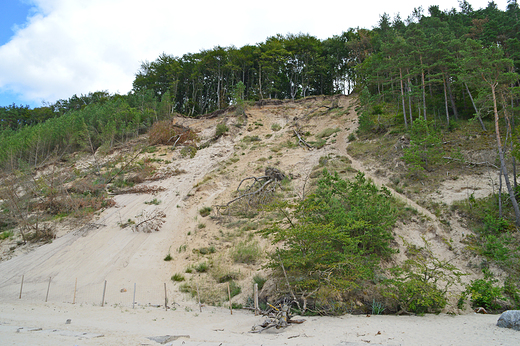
(34, 323)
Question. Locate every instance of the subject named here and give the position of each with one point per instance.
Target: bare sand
(23, 323)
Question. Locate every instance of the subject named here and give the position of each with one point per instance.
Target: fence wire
(77, 292)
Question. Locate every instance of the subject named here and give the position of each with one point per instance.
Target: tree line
(427, 66)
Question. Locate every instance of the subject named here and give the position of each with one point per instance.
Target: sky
(53, 49)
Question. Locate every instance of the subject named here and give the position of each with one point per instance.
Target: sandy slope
(106, 252)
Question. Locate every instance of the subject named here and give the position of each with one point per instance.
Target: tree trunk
(500, 193)
(402, 98)
(409, 98)
(446, 102)
(423, 90)
(502, 159)
(452, 100)
(475, 107)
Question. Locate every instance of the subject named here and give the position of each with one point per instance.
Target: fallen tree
(258, 190)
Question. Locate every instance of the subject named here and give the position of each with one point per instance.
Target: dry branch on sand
(259, 191)
(149, 222)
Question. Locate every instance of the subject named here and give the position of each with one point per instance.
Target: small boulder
(510, 319)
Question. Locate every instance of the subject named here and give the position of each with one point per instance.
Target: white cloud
(76, 46)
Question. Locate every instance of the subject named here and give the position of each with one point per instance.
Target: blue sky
(53, 49)
(13, 14)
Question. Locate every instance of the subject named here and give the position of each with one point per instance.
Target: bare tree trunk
(446, 102)
(423, 87)
(475, 108)
(409, 99)
(402, 98)
(452, 100)
(502, 159)
(500, 193)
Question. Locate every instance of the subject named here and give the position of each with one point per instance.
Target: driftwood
(278, 317)
(259, 191)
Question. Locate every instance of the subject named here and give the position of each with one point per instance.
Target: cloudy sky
(53, 49)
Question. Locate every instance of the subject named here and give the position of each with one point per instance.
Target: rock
(510, 319)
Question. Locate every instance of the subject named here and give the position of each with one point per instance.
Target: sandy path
(215, 326)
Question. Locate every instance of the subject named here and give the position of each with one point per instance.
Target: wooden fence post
(48, 288)
(133, 301)
(256, 299)
(75, 288)
(165, 298)
(198, 297)
(229, 295)
(104, 290)
(21, 287)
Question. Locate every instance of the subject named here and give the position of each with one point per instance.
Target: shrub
(257, 279)
(276, 127)
(327, 132)
(168, 258)
(414, 285)
(154, 201)
(351, 137)
(202, 267)
(6, 234)
(245, 252)
(234, 289)
(177, 277)
(189, 150)
(205, 211)
(221, 129)
(483, 293)
(207, 250)
(161, 132)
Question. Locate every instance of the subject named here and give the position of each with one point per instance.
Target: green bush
(205, 211)
(177, 277)
(6, 234)
(168, 258)
(327, 133)
(484, 293)
(415, 285)
(189, 150)
(276, 127)
(221, 129)
(257, 279)
(202, 267)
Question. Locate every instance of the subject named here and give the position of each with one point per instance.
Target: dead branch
(484, 163)
(150, 221)
(259, 191)
(152, 189)
(279, 318)
(302, 141)
(174, 144)
(124, 167)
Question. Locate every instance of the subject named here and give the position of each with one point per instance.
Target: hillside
(100, 249)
